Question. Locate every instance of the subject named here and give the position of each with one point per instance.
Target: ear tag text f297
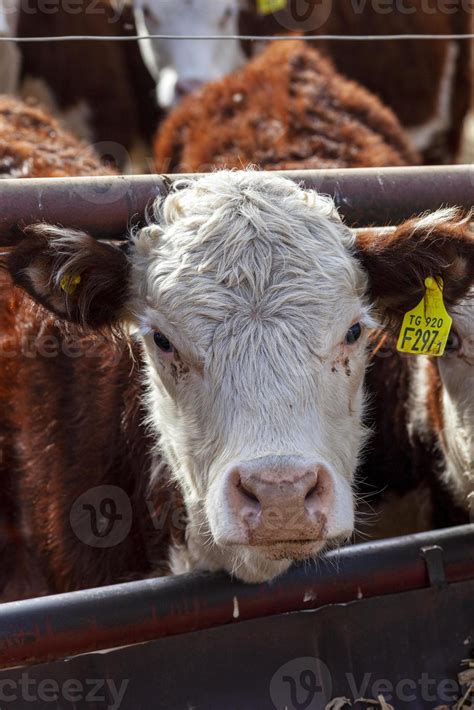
(267, 7)
(425, 329)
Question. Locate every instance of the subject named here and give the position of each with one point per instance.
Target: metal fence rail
(106, 206)
(44, 629)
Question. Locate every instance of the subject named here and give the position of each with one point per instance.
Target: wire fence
(244, 38)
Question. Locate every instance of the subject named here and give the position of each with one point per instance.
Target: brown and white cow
(250, 303)
(426, 83)
(289, 109)
(418, 471)
(444, 391)
(286, 109)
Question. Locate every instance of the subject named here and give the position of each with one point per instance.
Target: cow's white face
(180, 66)
(456, 369)
(251, 306)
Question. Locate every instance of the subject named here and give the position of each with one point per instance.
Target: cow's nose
(276, 502)
(187, 86)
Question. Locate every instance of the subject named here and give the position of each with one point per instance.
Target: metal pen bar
(50, 628)
(106, 206)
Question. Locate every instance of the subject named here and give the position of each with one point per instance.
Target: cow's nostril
(313, 491)
(246, 493)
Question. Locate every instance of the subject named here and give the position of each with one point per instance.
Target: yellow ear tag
(425, 329)
(69, 284)
(266, 7)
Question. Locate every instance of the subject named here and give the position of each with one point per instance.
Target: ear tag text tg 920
(425, 329)
(69, 283)
(267, 7)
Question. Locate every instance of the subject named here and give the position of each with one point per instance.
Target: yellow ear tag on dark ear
(70, 283)
(425, 329)
(266, 7)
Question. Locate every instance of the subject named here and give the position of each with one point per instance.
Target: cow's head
(253, 301)
(181, 66)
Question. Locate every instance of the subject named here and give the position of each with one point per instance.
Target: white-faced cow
(251, 303)
(180, 66)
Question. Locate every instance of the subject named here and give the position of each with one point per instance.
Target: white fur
(188, 60)
(424, 135)
(255, 283)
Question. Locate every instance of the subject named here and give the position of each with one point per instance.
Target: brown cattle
(288, 108)
(427, 84)
(101, 90)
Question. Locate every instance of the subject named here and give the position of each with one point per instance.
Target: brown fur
(109, 77)
(287, 109)
(70, 416)
(398, 263)
(33, 144)
(404, 74)
(400, 465)
(399, 478)
(103, 269)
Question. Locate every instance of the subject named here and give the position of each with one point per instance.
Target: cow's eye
(162, 342)
(354, 333)
(453, 342)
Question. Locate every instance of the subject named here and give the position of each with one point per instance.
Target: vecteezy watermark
(313, 15)
(48, 345)
(49, 690)
(102, 516)
(306, 683)
(301, 684)
(111, 12)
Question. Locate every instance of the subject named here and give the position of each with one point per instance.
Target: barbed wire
(244, 38)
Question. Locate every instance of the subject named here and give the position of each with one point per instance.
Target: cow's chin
(255, 564)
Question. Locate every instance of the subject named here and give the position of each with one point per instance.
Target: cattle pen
(308, 638)
(107, 206)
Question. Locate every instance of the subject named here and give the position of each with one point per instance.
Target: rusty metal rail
(49, 628)
(106, 206)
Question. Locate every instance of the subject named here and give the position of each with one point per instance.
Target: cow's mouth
(290, 549)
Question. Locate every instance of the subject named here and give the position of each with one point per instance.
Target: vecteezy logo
(102, 516)
(301, 684)
(305, 15)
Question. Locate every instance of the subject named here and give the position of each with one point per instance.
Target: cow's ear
(398, 261)
(72, 275)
